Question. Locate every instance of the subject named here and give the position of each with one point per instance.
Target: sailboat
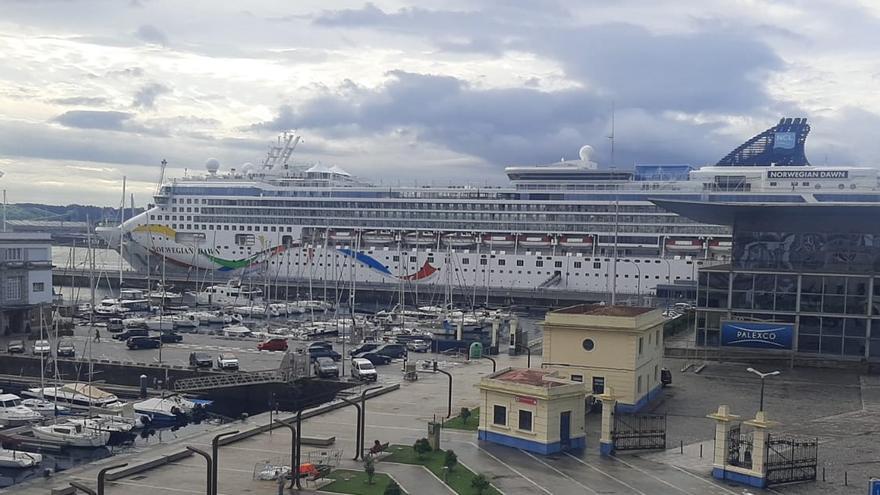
(72, 435)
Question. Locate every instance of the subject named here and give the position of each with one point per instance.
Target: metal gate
(639, 431)
(790, 459)
(739, 448)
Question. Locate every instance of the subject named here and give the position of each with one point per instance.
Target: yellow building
(616, 346)
(533, 410)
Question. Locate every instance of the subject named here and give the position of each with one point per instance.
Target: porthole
(588, 344)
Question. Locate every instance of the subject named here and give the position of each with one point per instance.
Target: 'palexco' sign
(755, 334)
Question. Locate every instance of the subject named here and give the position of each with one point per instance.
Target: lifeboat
(683, 245)
(379, 237)
(499, 240)
(341, 235)
(458, 239)
(716, 246)
(576, 241)
(420, 239)
(535, 240)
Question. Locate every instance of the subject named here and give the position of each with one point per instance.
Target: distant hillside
(81, 213)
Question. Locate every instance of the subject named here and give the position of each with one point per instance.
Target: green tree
(422, 447)
(370, 470)
(480, 483)
(450, 460)
(392, 489)
(465, 415)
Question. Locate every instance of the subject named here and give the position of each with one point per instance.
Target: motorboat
(231, 294)
(576, 241)
(163, 296)
(458, 240)
(420, 239)
(186, 320)
(310, 305)
(236, 331)
(72, 434)
(13, 413)
(108, 423)
(277, 309)
(535, 240)
(134, 322)
(165, 410)
(160, 323)
(19, 459)
(45, 407)
(254, 311)
(499, 240)
(209, 317)
(378, 237)
(76, 394)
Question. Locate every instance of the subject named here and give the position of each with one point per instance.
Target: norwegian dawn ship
(556, 227)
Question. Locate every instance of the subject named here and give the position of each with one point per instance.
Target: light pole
(762, 375)
(215, 462)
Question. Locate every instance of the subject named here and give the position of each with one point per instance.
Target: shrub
(392, 489)
(422, 447)
(480, 483)
(465, 415)
(450, 460)
(369, 469)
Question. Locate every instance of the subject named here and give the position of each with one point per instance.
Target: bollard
(143, 386)
(701, 450)
(681, 446)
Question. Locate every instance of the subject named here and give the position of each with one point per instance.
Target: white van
(363, 369)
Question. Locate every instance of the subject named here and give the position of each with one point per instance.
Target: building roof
(603, 310)
(531, 377)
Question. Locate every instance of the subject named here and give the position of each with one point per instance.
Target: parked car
(365, 347)
(170, 337)
(15, 347)
(319, 352)
(42, 347)
(115, 325)
(141, 342)
(65, 348)
(362, 369)
(200, 360)
(375, 357)
(394, 351)
(418, 345)
(227, 361)
(132, 332)
(321, 344)
(273, 345)
(325, 367)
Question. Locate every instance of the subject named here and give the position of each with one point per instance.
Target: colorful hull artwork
(424, 272)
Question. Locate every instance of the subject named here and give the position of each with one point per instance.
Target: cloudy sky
(418, 92)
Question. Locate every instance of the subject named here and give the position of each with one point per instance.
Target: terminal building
(25, 280)
(803, 282)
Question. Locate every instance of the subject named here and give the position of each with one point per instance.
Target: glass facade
(807, 251)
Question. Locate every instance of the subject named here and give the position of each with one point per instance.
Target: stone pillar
(496, 325)
(512, 343)
(609, 403)
(760, 435)
(459, 330)
(434, 435)
(723, 423)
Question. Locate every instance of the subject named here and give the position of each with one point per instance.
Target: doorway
(565, 430)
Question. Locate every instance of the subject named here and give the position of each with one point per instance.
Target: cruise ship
(566, 226)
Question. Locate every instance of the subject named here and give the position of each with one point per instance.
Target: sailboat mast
(121, 221)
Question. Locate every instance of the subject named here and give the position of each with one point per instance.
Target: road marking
(606, 474)
(129, 483)
(508, 466)
(685, 471)
(426, 469)
(631, 466)
(585, 487)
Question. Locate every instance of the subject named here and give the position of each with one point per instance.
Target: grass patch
(355, 483)
(473, 422)
(459, 479)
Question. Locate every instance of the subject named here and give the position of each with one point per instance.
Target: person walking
(279, 479)
(97, 336)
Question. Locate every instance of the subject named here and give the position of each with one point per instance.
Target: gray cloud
(146, 96)
(95, 119)
(89, 101)
(151, 34)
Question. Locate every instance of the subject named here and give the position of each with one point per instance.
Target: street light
(762, 375)
(215, 452)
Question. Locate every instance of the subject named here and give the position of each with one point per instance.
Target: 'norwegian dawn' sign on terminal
(756, 334)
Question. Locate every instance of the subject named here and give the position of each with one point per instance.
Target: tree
(480, 483)
(465, 415)
(422, 447)
(392, 488)
(370, 470)
(450, 460)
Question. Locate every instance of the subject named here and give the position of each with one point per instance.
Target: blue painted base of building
(644, 401)
(579, 443)
(743, 479)
(606, 448)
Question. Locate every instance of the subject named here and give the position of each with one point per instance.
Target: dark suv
(132, 332)
(65, 349)
(394, 351)
(365, 347)
(320, 351)
(200, 360)
(134, 343)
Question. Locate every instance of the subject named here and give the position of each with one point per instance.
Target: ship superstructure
(556, 227)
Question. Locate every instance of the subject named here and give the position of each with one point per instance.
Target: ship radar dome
(212, 165)
(586, 152)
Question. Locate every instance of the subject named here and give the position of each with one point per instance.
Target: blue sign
(757, 335)
(784, 140)
(874, 487)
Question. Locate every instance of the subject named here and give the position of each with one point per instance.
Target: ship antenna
(611, 136)
(161, 175)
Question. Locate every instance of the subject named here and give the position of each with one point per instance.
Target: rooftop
(603, 310)
(528, 377)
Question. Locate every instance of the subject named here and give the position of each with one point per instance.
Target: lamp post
(207, 457)
(449, 398)
(364, 416)
(762, 375)
(215, 450)
(102, 474)
(293, 431)
(528, 353)
(494, 364)
(359, 437)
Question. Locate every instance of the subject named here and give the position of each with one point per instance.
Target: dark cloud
(89, 101)
(146, 96)
(151, 34)
(94, 119)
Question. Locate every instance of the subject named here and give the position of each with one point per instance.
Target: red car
(273, 345)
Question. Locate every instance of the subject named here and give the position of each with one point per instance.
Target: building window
(577, 378)
(557, 264)
(39, 287)
(639, 384)
(525, 420)
(483, 261)
(13, 289)
(577, 264)
(499, 415)
(519, 262)
(501, 262)
(465, 261)
(539, 263)
(13, 254)
(641, 344)
(588, 344)
(597, 265)
(598, 385)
